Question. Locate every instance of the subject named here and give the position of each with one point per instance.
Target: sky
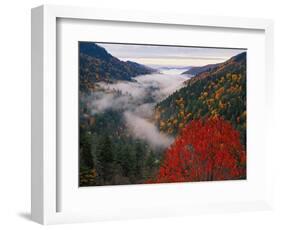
(170, 55)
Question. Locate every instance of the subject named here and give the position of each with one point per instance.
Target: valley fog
(136, 100)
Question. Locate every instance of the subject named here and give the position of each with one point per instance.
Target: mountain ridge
(96, 64)
(229, 64)
(220, 92)
(199, 69)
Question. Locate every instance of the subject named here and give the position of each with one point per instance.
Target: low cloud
(135, 89)
(145, 110)
(158, 86)
(163, 84)
(137, 100)
(102, 101)
(143, 129)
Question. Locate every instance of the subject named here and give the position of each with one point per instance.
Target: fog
(101, 101)
(145, 130)
(159, 86)
(137, 100)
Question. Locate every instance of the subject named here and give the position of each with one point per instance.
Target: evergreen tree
(105, 157)
(86, 158)
(140, 156)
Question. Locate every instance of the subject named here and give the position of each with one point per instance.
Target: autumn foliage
(205, 150)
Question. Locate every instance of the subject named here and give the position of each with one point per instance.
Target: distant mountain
(96, 64)
(175, 67)
(139, 67)
(220, 91)
(231, 65)
(199, 69)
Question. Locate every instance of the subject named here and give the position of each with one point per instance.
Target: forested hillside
(96, 64)
(199, 69)
(205, 150)
(140, 126)
(217, 92)
(108, 154)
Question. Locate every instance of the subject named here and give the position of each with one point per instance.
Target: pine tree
(86, 158)
(105, 158)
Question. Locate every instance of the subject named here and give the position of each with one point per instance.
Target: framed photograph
(137, 114)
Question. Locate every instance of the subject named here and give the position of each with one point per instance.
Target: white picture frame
(45, 182)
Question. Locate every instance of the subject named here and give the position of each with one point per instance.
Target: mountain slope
(199, 69)
(220, 92)
(96, 64)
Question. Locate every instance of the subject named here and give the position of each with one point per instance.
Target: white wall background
(15, 112)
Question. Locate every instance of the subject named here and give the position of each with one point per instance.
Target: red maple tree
(205, 150)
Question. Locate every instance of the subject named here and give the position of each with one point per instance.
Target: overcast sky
(170, 55)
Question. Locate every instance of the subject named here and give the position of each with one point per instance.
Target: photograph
(152, 113)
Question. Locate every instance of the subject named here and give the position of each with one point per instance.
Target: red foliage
(204, 151)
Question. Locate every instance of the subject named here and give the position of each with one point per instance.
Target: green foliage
(220, 91)
(117, 157)
(86, 158)
(109, 155)
(96, 64)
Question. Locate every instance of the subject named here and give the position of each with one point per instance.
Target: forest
(219, 92)
(108, 155)
(196, 131)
